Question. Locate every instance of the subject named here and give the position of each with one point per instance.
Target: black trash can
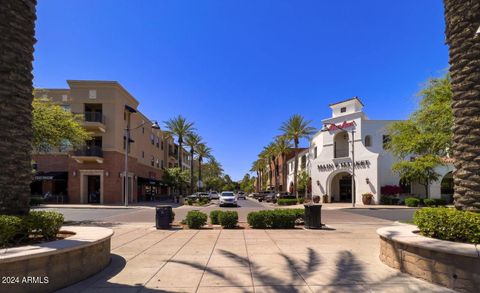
(163, 217)
(313, 216)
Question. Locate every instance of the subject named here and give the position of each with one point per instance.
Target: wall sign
(344, 125)
(335, 166)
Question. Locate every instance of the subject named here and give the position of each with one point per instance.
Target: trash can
(163, 217)
(313, 216)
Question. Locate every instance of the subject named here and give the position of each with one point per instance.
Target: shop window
(368, 141)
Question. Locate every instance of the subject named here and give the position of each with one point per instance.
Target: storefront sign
(39, 177)
(334, 166)
(344, 125)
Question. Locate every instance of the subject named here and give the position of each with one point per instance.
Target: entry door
(346, 189)
(93, 188)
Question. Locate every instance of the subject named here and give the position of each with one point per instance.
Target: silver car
(241, 195)
(228, 198)
(214, 195)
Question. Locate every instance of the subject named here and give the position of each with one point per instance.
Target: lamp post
(126, 190)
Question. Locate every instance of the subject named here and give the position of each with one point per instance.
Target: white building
(330, 157)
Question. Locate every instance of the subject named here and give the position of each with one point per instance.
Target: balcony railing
(89, 151)
(94, 117)
(173, 154)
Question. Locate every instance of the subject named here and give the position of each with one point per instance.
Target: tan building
(96, 172)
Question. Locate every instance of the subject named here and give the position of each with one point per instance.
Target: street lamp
(155, 125)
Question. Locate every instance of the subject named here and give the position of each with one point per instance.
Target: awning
(151, 181)
(50, 176)
(130, 109)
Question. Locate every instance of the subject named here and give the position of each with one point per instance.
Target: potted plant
(367, 198)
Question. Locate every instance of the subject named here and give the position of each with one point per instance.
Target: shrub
(276, 219)
(45, 223)
(301, 200)
(203, 201)
(440, 202)
(190, 201)
(214, 217)
(389, 200)
(228, 219)
(35, 201)
(448, 224)
(287, 201)
(412, 201)
(9, 228)
(196, 219)
(429, 202)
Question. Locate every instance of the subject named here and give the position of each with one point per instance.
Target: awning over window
(50, 176)
(130, 109)
(150, 181)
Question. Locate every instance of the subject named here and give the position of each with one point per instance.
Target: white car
(214, 195)
(241, 195)
(228, 198)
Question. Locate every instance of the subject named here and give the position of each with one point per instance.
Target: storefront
(52, 184)
(151, 189)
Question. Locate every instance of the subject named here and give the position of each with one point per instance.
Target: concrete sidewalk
(141, 205)
(344, 259)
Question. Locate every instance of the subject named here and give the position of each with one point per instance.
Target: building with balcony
(95, 173)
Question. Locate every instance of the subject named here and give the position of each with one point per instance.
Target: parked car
(284, 195)
(261, 196)
(241, 195)
(228, 198)
(214, 195)
(203, 194)
(270, 197)
(192, 196)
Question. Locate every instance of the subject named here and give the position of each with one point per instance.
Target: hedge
(228, 219)
(287, 201)
(434, 202)
(214, 217)
(196, 219)
(36, 200)
(275, 219)
(412, 201)
(389, 200)
(448, 224)
(15, 229)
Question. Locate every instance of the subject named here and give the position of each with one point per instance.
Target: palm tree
(193, 140)
(203, 152)
(294, 129)
(282, 148)
(17, 36)
(462, 18)
(269, 155)
(181, 128)
(256, 167)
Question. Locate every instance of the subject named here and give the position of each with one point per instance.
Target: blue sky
(238, 69)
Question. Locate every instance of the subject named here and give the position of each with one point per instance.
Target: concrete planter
(450, 264)
(53, 265)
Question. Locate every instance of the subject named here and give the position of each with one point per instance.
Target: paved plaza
(343, 258)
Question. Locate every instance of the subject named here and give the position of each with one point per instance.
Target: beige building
(96, 172)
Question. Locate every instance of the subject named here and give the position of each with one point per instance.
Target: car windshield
(227, 193)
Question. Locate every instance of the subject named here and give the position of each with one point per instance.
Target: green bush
(275, 219)
(301, 200)
(298, 213)
(448, 224)
(429, 202)
(190, 201)
(9, 229)
(287, 201)
(214, 217)
(45, 223)
(35, 201)
(412, 201)
(228, 219)
(196, 219)
(440, 202)
(389, 200)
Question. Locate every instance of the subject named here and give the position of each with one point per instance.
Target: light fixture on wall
(318, 182)
(74, 173)
(107, 173)
(367, 180)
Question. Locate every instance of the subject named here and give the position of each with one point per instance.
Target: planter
(366, 200)
(56, 264)
(316, 199)
(324, 198)
(450, 264)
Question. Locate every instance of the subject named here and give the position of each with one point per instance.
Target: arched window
(341, 145)
(368, 141)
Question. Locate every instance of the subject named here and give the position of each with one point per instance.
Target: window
(368, 141)
(64, 98)
(92, 94)
(152, 162)
(125, 115)
(386, 140)
(158, 163)
(152, 139)
(343, 109)
(157, 141)
(143, 154)
(341, 145)
(304, 162)
(161, 145)
(315, 153)
(161, 164)
(66, 108)
(143, 129)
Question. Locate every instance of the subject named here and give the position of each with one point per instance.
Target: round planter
(50, 266)
(366, 200)
(450, 264)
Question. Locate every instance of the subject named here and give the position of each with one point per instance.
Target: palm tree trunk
(462, 18)
(191, 171)
(200, 171)
(17, 37)
(295, 170)
(180, 141)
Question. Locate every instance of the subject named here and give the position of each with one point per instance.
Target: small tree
(175, 177)
(420, 170)
(54, 127)
(303, 182)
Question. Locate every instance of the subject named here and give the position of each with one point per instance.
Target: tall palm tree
(193, 140)
(269, 155)
(256, 167)
(17, 37)
(462, 18)
(203, 152)
(282, 148)
(181, 128)
(294, 129)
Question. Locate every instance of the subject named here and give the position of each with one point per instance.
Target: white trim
(82, 173)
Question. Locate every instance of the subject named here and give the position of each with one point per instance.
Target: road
(147, 215)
